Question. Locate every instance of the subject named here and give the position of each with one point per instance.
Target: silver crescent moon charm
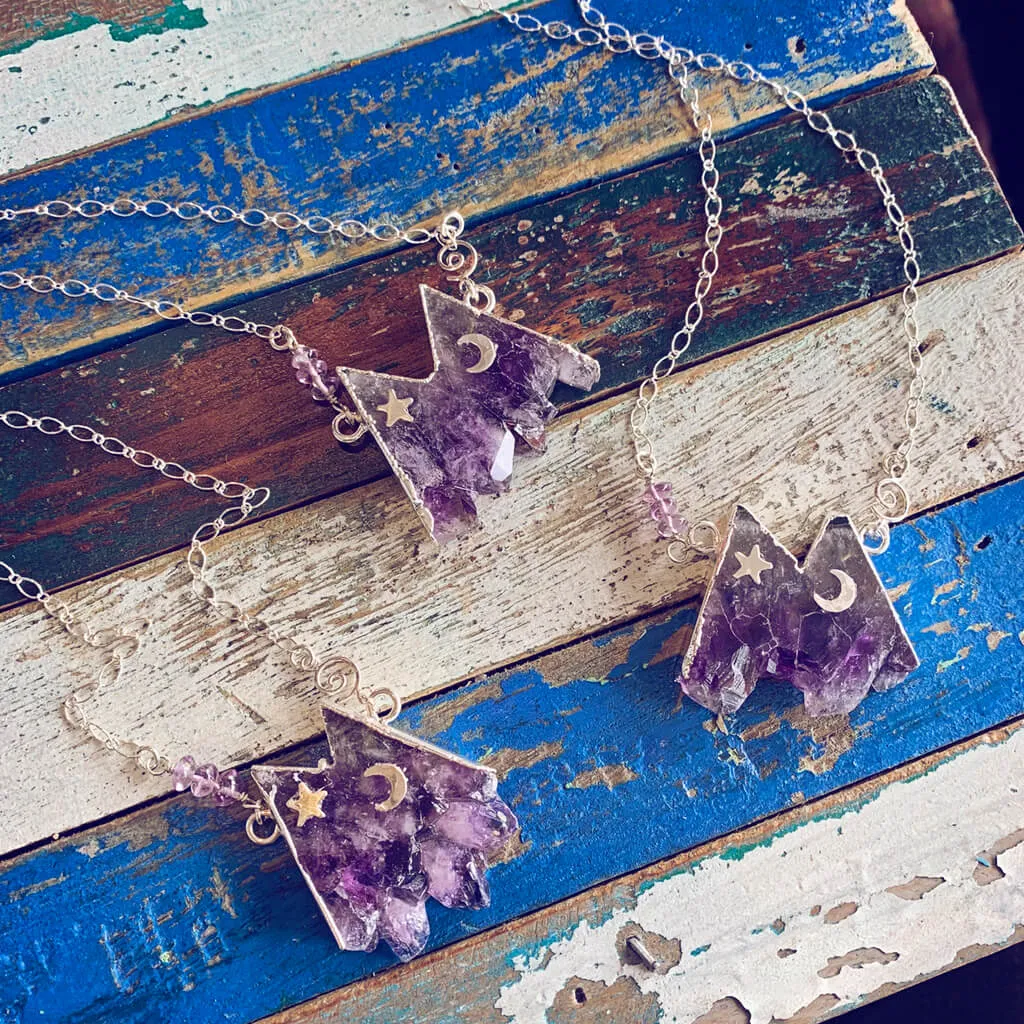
(395, 778)
(844, 599)
(484, 345)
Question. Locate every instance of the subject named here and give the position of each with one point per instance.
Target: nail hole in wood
(580, 996)
(748, 47)
(974, 442)
(800, 46)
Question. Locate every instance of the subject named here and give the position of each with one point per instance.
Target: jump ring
(250, 829)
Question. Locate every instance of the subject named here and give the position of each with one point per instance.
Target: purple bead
(664, 511)
(204, 781)
(182, 773)
(227, 788)
(304, 361)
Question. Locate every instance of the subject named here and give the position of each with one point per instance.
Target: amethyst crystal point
(452, 435)
(827, 627)
(388, 822)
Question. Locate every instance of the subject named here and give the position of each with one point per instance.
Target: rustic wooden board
(563, 555)
(812, 913)
(599, 268)
(136, 64)
(404, 135)
(608, 772)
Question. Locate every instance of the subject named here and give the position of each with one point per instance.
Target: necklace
(764, 615)
(386, 822)
(448, 437)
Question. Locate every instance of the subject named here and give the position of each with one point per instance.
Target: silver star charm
(751, 565)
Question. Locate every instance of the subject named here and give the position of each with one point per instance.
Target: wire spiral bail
(460, 258)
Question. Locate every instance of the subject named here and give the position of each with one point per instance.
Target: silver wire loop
(880, 534)
(347, 436)
(251, 823)
(677, 551)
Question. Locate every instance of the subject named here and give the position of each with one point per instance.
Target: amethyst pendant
(827, 626)
(451, 436)
(388, 822)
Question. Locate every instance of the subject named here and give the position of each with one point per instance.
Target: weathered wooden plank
(83, 73)
(173, 907)
(796, 920)
(562, 556)
(479, 118)
(599, 268)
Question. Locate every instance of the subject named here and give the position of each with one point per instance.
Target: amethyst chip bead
(205, 781)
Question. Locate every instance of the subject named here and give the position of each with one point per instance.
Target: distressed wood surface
(354, 574)
(796, 920)
(176, 913)
(609, 269)
(83, 73)
(480, 118)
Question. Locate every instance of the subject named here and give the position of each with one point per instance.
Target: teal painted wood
(468, 119)
(170, 915)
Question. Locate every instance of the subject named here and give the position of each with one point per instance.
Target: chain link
(891, 502)
(455, 255)
(336, 677)
(347, 229)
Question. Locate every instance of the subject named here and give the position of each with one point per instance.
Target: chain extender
(336, 676)
(891, 500)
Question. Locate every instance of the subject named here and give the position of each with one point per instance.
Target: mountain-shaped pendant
(387, 822)
(452, 435)
(766, 616)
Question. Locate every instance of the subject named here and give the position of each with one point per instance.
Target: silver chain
(891, 500)
(337, 677)
(455, 255)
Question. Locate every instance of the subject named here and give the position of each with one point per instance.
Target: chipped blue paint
(170, 911)
(399, 135)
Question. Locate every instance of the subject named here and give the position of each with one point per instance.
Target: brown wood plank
(609, 269)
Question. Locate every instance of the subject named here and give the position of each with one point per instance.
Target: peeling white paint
(385, 596)
(85, 87)
(932, 825)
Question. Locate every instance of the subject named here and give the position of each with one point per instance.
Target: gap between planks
(564, 555)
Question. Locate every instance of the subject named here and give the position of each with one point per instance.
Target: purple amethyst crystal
(389, 822)
(206, 781)
(311, 370)
(664, 511)
(452, 436)
(827, 627)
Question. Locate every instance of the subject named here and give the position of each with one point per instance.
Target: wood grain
(737, 949)
(404, 136)
(174, 908)
(566, 553)
(609, 268)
